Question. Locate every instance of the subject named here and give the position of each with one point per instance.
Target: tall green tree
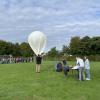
(53, 52)
(3, 45)
(66, 50)
(26, 51)
(16, 50)
(75, 45)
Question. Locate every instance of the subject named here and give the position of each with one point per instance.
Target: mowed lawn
(20, 82)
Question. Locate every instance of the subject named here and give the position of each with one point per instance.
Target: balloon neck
(38, 54)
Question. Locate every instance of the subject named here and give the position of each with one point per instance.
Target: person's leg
(77, 73)
(39, 68)
(36, 67)
(80, 73)
(88, 74)
(65, 71)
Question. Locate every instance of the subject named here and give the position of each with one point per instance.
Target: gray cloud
(58, 19)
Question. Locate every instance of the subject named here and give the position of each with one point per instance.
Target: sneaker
(87, 79)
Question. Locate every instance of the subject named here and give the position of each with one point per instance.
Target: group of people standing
(82, 65)
(9, 60)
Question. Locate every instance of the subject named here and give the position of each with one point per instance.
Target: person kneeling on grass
(58, 67)
(65, 67)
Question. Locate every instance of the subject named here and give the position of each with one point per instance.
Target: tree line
(86, 46)
(8, 48)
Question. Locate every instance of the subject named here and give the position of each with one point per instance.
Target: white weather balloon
(37, 41)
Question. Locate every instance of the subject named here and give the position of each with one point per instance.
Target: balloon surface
(37, 41)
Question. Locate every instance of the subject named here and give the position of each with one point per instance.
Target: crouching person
(66, 70)
(58, 67)
(65, 67)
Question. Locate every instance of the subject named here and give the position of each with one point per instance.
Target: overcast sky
(58, 19)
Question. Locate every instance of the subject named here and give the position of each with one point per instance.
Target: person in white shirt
(87, 68)
(80, 63)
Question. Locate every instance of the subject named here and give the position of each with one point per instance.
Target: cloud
(58, 19)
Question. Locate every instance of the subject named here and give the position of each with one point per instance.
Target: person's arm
(76, 62)
(62, 65)
(43, 54)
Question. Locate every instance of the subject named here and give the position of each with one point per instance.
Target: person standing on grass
(80, 63)
(38, 63)
(87, 68)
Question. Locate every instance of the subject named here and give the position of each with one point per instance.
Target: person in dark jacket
(38, 63)
(59, 67)
(65, 67)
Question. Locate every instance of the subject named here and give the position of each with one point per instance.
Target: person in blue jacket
(65, 67)
(58, 67)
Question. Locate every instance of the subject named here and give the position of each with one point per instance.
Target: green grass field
(20, 82)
